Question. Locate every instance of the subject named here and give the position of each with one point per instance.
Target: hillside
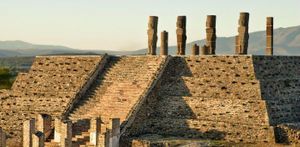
(286, 42)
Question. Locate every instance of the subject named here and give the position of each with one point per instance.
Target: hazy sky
(122, 24)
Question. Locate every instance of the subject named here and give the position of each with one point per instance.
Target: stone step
(204, 129)
(52, 144)
(213, 109)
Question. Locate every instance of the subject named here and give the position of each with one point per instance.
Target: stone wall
(212, 97)
(279, 78)
(118, 90)
(50, 87)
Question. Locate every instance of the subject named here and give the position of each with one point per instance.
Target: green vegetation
(6, 78)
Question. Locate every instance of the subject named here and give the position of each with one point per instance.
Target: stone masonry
(50, 87)
(230, 98)
(221, 97)
(126, 101)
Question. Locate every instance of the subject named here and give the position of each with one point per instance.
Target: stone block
(244, 19)
(195, 50)
(270, 21)
(66, 134)
(2, 138)
(38, 139)
(43, 124)
(57, 130)
(95, 131)
(205, 50)
(28, 131)
(211, 21)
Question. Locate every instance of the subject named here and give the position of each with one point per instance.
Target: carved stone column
(152, 34)
(211, 36)
(38, 139)
(28, 131)
(181, 35)
(269, 38)
(66, 134)
(243, 37)
(43, 124)
(164, 43)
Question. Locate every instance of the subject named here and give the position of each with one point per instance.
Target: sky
(122, 24)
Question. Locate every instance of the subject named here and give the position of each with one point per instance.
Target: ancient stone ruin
(211, 34)
(152, 34)
(269, 36)
(155, 100)
(164, 43)
(243, 36)
(181, 35)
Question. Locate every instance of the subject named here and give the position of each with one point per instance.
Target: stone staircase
(117, 90)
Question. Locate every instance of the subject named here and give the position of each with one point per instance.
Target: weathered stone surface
(164, 43)
(38, 139)
(195, 50)
(205, 50)
(28, 131)
(211, 34)
(95, 132)
(288, 133)
(243, 36)
(50, 87)
(181, 35)
(231, 98)
(43, 124)
(2, 138)
(66, 134)
(152, 34)
(222, 97)
(269, 36)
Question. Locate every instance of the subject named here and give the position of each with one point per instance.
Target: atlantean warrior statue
(181, 35)
(243, 37)
(211, 33)
(152, 35)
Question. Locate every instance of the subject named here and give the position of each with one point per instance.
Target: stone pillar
(205, 50)
(107, 141)
(57, 130)
(152, 34)
(38, 139)
(164, 43)
(195, 50)
(237, 45)
(115, 132)
(28, 130)
(243, 36)
(269, 38)
(181, 35)
(66, 134)
(211, 36)
(43, 124)
(2, 138)
(95, 131)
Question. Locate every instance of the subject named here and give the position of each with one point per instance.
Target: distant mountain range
(286, 42)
